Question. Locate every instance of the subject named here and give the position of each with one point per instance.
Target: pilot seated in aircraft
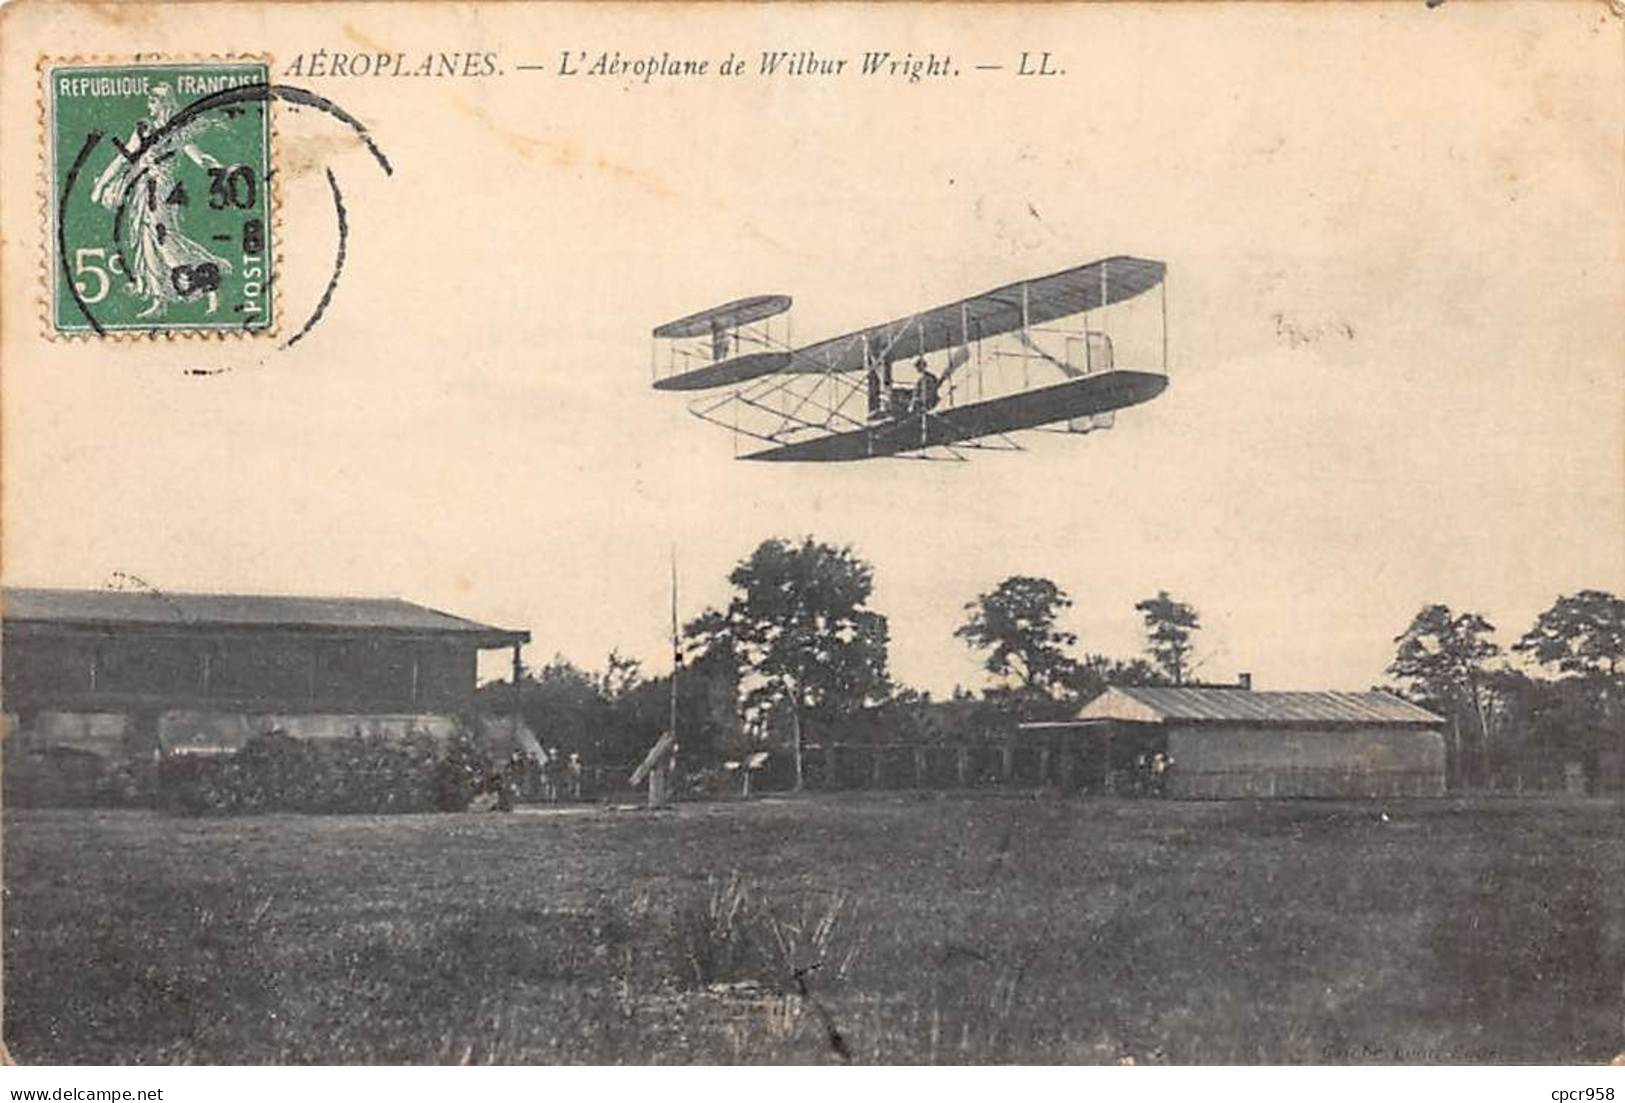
(926, 388)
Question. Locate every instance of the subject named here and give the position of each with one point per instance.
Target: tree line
(1512, 726)
(798, 655)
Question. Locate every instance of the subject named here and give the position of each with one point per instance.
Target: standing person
(517, 776)
(499, 784)
(548, 766)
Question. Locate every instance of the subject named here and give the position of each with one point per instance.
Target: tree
(1582, 633)
(1583, 636)
(1528, 718)
(1168, 628)
(1442, 656)
(613, 716)
(707, 721)
(1094, 674)
(1134, 672)
(562, 704)
(622, 675)
(799, 632)
(1015, 625)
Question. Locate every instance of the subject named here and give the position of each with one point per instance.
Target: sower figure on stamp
(159, 249)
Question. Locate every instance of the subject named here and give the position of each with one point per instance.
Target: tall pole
(518, 700)
(795, 720)
(676, 651)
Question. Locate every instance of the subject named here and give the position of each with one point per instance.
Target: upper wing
(1087, 287)
(732, 315)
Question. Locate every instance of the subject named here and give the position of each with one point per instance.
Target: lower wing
(1075, 398)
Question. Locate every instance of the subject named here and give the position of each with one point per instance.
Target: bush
(736, 933)
(192, 784)
(709, 783)
(360, 773)
(461, 775)
(66, 777)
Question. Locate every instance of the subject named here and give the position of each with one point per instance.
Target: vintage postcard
(863, 533)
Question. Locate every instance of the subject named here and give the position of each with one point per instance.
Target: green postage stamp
(160, 198)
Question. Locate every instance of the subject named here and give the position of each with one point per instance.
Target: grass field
(949, 929)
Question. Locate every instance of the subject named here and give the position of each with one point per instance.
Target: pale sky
(471, 426)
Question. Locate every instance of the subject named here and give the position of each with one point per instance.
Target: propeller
(1066, 369)
(957, 359)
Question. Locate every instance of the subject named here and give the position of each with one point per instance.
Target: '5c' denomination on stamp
(160, 198)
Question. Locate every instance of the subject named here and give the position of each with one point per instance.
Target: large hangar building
(113, 672)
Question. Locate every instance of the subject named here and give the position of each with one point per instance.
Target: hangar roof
(1187, 705)
(118, 608)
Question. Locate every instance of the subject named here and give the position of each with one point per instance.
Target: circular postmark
(163, 204)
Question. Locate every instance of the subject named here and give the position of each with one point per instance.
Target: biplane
(1037, 354)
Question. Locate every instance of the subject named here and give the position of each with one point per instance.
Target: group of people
(551, 777)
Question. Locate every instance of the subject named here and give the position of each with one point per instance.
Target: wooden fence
(845, 766)
(831, 767)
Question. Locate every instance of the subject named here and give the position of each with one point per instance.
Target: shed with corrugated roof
(1210, 742)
